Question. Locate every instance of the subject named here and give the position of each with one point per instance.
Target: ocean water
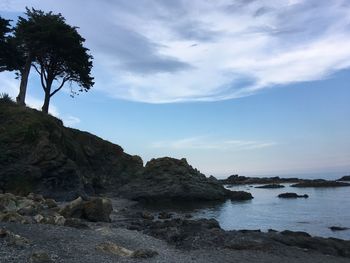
(325, 207)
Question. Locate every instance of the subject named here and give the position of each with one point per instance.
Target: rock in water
(292, 195)
(338, 228)
(271, 186)
(319, 183)
(169, 179)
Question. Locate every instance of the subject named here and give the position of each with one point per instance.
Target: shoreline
(172, 239)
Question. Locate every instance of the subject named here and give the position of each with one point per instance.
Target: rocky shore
(128, 233)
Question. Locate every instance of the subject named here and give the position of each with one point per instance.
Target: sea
(324, 208)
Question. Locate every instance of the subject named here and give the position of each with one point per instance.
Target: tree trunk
(45, 107)
(24, 81)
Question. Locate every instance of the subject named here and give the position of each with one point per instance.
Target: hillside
(39, 154)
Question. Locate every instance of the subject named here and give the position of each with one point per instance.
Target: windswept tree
(55, 49)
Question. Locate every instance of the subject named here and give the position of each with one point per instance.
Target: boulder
(73, 209)
(40, 257)
(292, 195)
(8, 202)
(97, 210)
(12, 217)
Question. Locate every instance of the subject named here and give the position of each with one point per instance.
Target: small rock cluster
(36, 209)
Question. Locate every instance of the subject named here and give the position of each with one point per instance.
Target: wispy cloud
(208, 143)
(71, 121)
(162, 51)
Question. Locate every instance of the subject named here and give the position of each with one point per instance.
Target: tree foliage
(10, 57)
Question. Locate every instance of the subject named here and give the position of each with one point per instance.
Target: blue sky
(249, 87)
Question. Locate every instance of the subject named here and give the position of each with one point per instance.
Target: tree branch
(60, 87)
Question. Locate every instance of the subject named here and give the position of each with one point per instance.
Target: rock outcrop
(169, 179)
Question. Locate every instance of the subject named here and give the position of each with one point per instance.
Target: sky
(235, 86)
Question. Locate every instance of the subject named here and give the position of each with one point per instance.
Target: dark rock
(164, 215)
(50, 203)
(292, 195)
(73, 209)
(97, 210)
(239, 195)
(3, 233)
(144, 253)
(13, 217)
(147, 215)
(169, 179)
(320, 183)
(272, 186)
(338, 228)
(40, 257)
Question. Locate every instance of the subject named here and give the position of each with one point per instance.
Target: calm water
(325, 207)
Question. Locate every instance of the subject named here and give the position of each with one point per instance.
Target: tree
(57, 53)
(4, 30)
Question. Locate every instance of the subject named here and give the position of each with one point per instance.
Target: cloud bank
(161, 51)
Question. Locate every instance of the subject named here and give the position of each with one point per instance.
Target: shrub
(4, 97)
